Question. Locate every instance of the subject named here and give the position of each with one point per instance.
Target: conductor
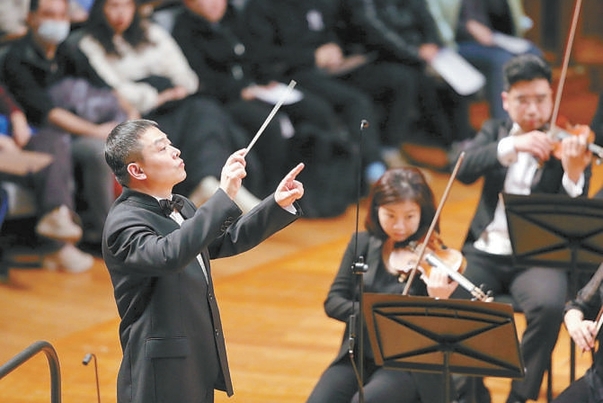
(157, 247)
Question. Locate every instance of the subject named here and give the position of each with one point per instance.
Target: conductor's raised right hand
(290, 189)
(233, 173)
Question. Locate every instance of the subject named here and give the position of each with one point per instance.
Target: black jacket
(394, 28)
(170, 331)
(218, 53)
(285, 33)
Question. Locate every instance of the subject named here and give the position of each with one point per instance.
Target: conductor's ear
(136, 171)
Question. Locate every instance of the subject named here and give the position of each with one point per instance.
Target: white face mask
(53, 31)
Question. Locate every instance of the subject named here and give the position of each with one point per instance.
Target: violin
(433, 253)
(564, 129)
(438, 255)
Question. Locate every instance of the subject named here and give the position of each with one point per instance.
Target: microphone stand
(358, 268)
(85, 361)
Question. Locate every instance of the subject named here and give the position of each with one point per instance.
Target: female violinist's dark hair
(400, 185)
(97, 26)
(526, 67)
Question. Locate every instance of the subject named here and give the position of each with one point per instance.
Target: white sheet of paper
(274, 93)
(458, 72)
(511, 44)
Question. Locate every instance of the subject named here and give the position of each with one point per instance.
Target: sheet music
(458, 72)
(512, 44)
(273, 93)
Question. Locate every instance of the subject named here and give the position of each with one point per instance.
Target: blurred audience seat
(21, 201)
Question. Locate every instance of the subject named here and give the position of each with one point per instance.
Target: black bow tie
(168, 206)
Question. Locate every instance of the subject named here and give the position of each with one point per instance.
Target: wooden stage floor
(278, 337)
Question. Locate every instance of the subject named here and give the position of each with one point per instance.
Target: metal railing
(53, 363)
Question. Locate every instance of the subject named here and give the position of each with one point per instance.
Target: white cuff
(506, 153)
(573, 189)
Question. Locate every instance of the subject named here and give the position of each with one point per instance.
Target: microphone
(85, 361)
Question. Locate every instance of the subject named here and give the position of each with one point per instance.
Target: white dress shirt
(522, 167)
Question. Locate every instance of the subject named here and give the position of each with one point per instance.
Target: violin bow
(599, 321)
(565, 64)
(423, 246)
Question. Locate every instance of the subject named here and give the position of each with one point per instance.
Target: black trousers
(540, 292)
(338, 384)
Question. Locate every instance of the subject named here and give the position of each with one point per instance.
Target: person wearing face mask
(13, 16)
(53, 32)
(41, 78)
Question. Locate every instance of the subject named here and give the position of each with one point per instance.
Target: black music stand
(445, 336)
(556, 231)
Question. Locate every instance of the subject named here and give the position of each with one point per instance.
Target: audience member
(403, 32)
(158, 257)
(583, 323)
(298, 40)
(13, 15)
(143, 63)
(78, 10)
(515, 156)
(478, 31)
(12, 18)
(401, 207)
(210, 35)
(39, 75)
(52, 185)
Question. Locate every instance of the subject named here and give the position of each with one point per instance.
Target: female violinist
(401, 208)
(583, 325)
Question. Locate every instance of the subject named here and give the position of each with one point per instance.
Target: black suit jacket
(481, 161)
(170, 331)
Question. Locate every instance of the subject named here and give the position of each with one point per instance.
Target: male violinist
(515, 156)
